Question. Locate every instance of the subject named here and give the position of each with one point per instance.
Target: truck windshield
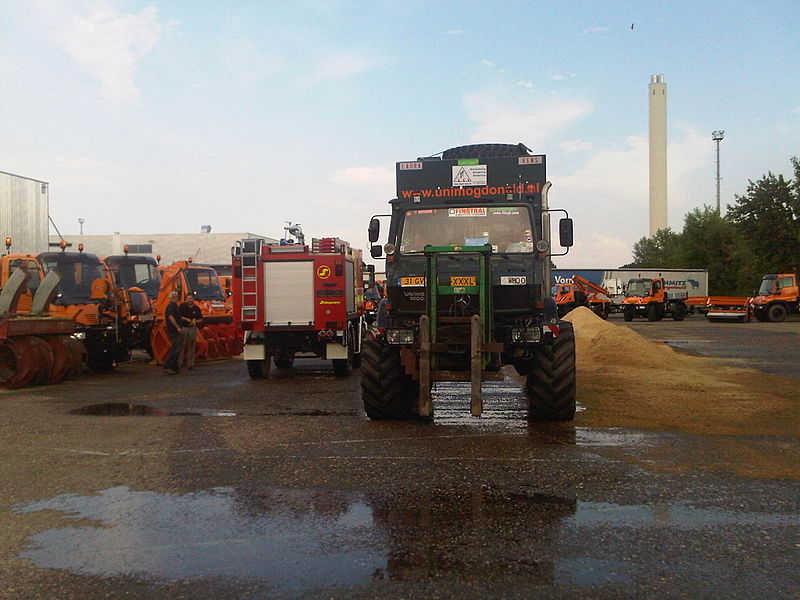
(767, 285)
(77, 275)
(638, 287)
(144, 276)
(204, 283)
(506, 228)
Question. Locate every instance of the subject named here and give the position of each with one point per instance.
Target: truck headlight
(529, 334)
(400, 336)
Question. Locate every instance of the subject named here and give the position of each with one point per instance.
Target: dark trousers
(173, 358)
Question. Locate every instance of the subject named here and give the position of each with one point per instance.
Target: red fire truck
(291, 299)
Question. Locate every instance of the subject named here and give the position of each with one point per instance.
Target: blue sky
(165, 116)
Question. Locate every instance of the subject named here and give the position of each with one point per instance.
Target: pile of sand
(627, 380)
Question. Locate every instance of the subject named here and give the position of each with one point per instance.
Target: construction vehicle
(216, 336)
(136, 281)
(582, 292)
(646, 297)
(35, 347)
(777, 298)
(468, 285)
(86, 295)
(293, 298)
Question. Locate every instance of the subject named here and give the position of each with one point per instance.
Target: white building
(203, 248)
(23, 213)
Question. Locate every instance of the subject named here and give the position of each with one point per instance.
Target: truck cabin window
(767, 286)
(639, 287)
(506, 228)
(205, 284)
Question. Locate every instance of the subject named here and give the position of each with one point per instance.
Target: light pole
(81, 221)
(717, 136)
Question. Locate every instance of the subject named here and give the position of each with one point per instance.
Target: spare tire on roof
(486, 151)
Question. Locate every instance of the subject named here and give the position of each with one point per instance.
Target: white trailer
(679, 283)
(23, 213)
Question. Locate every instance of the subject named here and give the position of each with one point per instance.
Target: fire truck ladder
(250, 253)
(481, 327)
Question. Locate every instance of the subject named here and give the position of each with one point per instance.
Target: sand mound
(598, 342)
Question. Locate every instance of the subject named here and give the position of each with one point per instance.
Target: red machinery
(292, 298)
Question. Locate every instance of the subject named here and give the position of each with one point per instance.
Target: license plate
(463, 281)
(412, 282)
(513, 280)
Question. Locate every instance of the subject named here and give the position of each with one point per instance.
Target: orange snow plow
(216, 336)
(35, 348)
(728, 308)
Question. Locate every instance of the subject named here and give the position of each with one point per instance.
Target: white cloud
(109, 44)
(341, 66)
(487, 63)
(363, 176)
(454, 32)
(557, 77)
(595, 249)
(570, 146)
(526, 84)
(532, 120)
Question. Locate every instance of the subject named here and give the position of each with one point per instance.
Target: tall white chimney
(657, 91)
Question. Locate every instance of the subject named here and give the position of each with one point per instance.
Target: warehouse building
(24, 213)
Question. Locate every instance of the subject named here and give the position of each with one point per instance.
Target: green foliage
(760, 234)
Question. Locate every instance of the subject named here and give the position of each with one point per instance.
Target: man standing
(191, 316)
(172, 316)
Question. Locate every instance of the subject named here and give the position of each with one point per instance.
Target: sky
(161, 117)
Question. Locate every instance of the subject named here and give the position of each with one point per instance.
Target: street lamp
(81, 221)
(717, 136)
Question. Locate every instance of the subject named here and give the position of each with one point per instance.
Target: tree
(768, 219)
(659, 251)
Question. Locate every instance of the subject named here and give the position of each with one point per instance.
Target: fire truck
(290, 299)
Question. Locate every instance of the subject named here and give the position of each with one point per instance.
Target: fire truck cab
(291, 299)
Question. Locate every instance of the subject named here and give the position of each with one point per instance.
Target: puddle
(614, 437)
(299, 540)
(119, 409)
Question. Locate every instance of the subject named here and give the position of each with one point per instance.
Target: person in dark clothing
(172, 317)
(191, 317)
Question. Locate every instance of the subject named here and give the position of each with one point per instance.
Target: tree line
(759, 234)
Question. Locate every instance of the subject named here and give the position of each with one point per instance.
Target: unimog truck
(468, 285)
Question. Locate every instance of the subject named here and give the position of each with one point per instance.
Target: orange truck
(648, 297)
(297, 299)
(216, 336)
(582, 292)
(777, 298)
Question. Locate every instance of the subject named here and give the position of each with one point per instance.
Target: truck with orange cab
(216, 336)
(582, 292)
(777, 298)
(647, 297)
(294, 298)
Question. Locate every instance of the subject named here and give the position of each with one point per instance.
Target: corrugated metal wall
(23, 213)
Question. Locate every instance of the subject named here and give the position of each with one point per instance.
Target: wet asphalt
(212, 485)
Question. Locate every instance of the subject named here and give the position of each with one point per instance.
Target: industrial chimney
(658, 153)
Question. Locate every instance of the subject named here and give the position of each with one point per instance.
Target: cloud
(341, 66)
(570, 146)
(595, 249)
(109, 45)
(454, 32)
(557, 77)
(363, 176)
(526, 84)
(530, 119)
(488, 63)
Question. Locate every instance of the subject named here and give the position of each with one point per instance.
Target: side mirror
(565, 232)
(374, 230)
(376, 251)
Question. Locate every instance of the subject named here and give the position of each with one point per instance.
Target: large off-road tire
(386, 390)
(627, 313)
(679, 311)
(652, 312)
(760, 314)
(551, 381)
(259, 369)
(777, 313)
